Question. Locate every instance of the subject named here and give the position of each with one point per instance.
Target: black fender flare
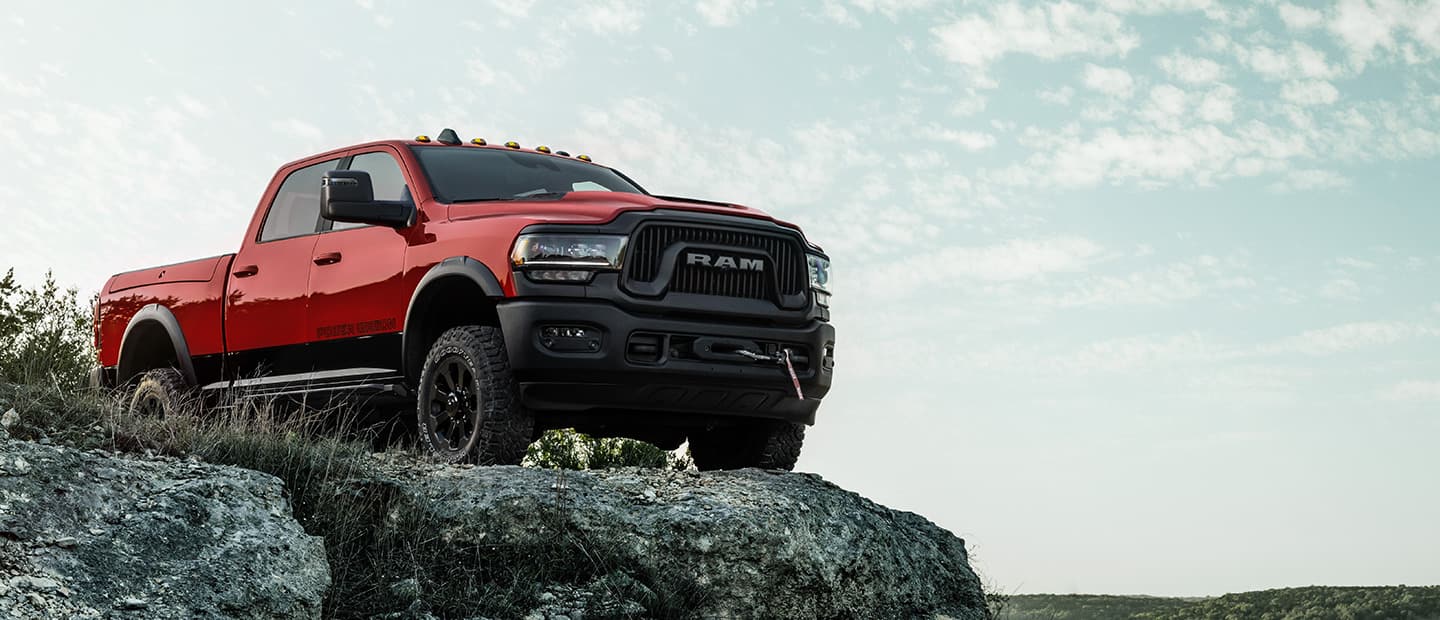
(463, 266)
(166, 319)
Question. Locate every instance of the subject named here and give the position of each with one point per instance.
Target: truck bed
(194, 291)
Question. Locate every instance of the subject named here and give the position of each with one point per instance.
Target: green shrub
(44, 334)
(567, 449)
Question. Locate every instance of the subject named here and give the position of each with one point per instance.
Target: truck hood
(599, 208)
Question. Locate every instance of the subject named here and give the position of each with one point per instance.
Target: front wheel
(761, 443)
(468, 407)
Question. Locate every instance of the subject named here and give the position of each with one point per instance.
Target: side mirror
(349, 196)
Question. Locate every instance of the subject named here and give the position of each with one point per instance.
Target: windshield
(470, 174)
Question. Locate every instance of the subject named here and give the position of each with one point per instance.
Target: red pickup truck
(501, 290)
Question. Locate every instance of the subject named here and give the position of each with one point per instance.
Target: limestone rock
(88, 535)
(742, 544)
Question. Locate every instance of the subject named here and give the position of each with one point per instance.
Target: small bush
(44, 334)
(567, 449)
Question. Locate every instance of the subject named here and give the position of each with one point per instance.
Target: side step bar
(369, 380)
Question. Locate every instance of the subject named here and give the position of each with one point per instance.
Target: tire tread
(505, 426)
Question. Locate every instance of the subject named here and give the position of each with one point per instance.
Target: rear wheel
(766, 444)
(159, 393)
(468, 408)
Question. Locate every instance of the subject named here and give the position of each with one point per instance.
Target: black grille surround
(654, 263)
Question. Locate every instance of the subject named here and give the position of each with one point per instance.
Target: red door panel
(265, 305)
(265, 310)
(357, 300)
(356, 292)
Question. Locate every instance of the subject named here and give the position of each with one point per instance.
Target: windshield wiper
(535, 196)
(540, 195)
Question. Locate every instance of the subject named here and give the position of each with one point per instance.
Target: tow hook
(782, 359)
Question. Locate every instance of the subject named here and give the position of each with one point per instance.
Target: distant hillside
(1312, 603)
(1087, 606)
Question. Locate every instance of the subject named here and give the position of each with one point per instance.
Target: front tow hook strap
(783, 359)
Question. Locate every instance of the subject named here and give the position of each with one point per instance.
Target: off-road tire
(765, 444)
(495, 429)
(161, 393)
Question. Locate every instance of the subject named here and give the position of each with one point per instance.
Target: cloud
(892, 8)
(1350, 262)
(1126, 354)
(1350, 337)
(297, 127)
(968, 104)
(1048, 32)
(968, 140)
(1362, 26)
(1166, 107)
(1343, 289)
(1297, 61)
(1058, 96)
(1159, 7)
(833, 11)
(21, 88)
(1217, 105)
(1177, 282)
(1309, 92)
(1310, 180)
(1191, 69)
(724, 12)
(1298, 17)
(1413, 391)
(513, 8)
(1149, 156)
(1014, 260)
(606, 17)
(1131, 353)
(1112, 82)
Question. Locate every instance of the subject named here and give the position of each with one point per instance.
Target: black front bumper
(693, 370)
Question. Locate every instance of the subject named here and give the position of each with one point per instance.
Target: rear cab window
(295, 211)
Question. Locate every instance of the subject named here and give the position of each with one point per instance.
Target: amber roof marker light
(422, 138)
(513, 144)
(479, 142)
(584, 158)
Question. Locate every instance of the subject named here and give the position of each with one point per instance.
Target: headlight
(568, 251)
(819, 278)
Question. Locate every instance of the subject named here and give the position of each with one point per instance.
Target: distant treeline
(1312, 603)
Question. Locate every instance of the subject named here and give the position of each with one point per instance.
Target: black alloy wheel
(453, 411)
(468, 408)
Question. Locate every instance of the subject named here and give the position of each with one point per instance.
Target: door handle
(328, 258)
(246, 271)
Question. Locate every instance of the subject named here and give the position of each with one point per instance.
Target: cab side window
(386, 176)
(296, 209)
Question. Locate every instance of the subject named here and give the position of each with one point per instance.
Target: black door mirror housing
(349, 196)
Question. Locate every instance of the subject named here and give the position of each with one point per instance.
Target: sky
(1136, 296)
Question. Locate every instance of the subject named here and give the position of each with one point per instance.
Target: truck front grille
(785, 263)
